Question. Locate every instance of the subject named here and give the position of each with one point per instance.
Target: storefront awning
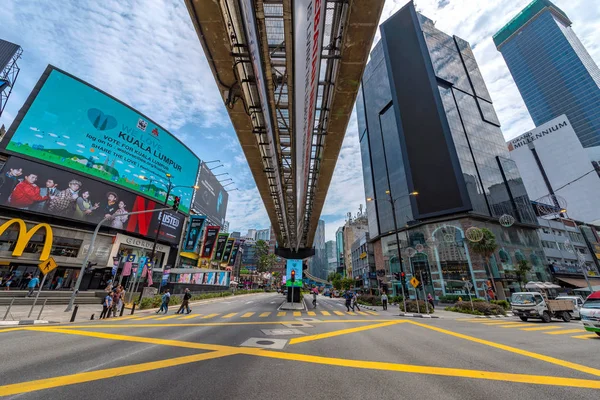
(579, 283)
(188, 254)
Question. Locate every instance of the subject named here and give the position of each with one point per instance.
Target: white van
(590, 313)
(577, 304)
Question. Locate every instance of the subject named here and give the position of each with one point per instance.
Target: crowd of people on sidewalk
(113, 302)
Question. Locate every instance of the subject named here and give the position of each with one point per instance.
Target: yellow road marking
(127, 317)
(585, 337)
(220, 351)
(229, 315)
(248, 315)
(338, 313)
(145, 318)
(312, 313)
(325, 313)
(537, 356)
(297, 314)
(168, 317)
(542, 328)
(517, 325)
(10, 329)
(439, 371)
(564, 332)
(500, 323)
(350, 313)
(265, 314)
(362, 313)
(59, 381)
(342, 332)
(372, 312)
(191, 316)
(209, 316)
(281, 314)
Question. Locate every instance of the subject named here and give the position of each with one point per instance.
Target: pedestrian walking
(9, 281)
(115, 302)
(430, 300)
(32, 285)
(384, 300)
(25, 281)
(185, 304)
(348, 297)
(355, 301)
(106, 306)
(165, 302)
(121, 297)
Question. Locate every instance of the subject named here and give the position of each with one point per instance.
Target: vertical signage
(227, 252)
(210, 239)
(234, 253)
(293, 265)
(193, 233)
(220, 247)
(309, 18)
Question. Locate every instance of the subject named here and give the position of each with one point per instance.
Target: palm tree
(486, 247)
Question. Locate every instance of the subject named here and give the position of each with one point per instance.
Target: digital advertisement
(76, 126)
(211, 199)
(39, 189)
(210, 239)
(234, 253)
(227, 252)
(220, 247)
(194, 232)
(293, 265)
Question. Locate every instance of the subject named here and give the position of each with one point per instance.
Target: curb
(214, 300)
(25, 322)
(414, 315)
(494, 316)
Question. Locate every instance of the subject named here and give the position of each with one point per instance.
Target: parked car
(590, 313)
(534, 305)
(577, 303)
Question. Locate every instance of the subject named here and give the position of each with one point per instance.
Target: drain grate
(276, 344)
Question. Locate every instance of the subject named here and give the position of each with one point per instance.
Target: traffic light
(403, 277)
(176, 201)
(293, 278)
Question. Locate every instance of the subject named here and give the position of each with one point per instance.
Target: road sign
(468, 285)
(414, 282)
(47, 266)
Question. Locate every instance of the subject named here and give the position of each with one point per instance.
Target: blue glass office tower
(427, 124)
(552, 69)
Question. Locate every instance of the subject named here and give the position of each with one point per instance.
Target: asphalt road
(333, 354)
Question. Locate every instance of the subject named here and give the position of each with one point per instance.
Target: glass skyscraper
(427, 124)
(552, 69)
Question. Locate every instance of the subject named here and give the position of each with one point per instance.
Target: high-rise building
(263, 234)
(427, 125)
(251, 234)
(318, 264)
(552, 69)
(339, 250)
(330, 249)
(354, 229)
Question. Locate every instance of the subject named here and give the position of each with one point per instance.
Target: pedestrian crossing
(245, 315)
(542, 328)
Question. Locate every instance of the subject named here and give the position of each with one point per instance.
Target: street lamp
(392, 201)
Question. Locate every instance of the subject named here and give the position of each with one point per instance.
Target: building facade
(339, 250)
(427, 124)
(263, 234)
(354, 228)
(363, 263)
(318, 264)
(553, 71)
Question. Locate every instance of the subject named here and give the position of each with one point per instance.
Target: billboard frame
(16, 123)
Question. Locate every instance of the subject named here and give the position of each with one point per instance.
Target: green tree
(523, 267)
(264, 259)
(347, 283)
(486, 247)
(334, 276)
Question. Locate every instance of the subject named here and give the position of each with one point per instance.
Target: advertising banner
(220, 247)
(36, 188)
(309, 18)
(193, 232)
(295, 265)
(69, 123)
(211, 198)
(210, 239)
(227, 252)
(234, 253)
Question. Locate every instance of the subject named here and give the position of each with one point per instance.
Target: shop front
(24, 243)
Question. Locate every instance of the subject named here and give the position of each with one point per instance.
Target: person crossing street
(165, 302)
(185, 304)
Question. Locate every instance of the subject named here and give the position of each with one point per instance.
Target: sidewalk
(56, 313)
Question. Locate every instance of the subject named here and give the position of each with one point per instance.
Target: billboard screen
(194, 232)
(295, 265)
(7, 51)
(40, 189)
(211, 198)
(227, 251)
(220, 247)
(70, 123)
(210, 239)
(234, 252)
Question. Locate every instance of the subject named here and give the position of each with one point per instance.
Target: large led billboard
(36, 188)
(293, 265)
(69, 123)
(211, 198)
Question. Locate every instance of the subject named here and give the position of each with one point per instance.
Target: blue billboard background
(295, 265)
(74, 125)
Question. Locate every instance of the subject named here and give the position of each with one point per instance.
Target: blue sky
(146, 53)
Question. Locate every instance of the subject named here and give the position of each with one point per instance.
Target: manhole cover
(297, 325)
(276, 344)
(308, 319)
